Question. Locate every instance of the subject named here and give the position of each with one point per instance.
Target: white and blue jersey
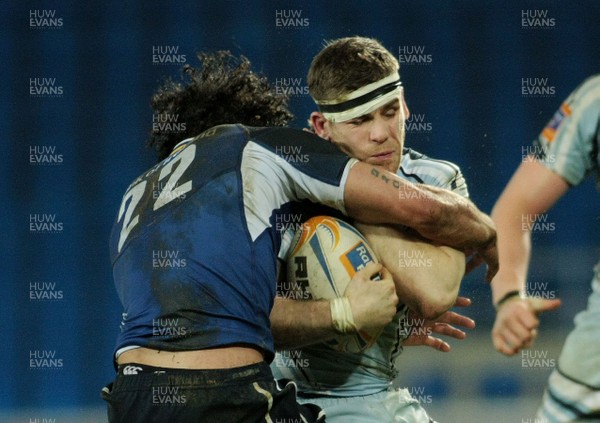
(320, 370)
(569, 145)
(195, 242)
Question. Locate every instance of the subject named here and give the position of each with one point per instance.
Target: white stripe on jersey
(270, 180)
(418, 168)
(566, 400)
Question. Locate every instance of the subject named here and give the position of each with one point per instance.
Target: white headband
(362, 101)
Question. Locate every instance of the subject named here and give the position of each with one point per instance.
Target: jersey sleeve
(568, 144)
(418, 168)
(281, 166)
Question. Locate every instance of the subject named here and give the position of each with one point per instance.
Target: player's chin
(387, 162)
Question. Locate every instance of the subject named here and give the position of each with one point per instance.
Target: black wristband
(507, 297)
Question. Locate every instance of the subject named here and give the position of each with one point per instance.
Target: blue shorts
(147, 394)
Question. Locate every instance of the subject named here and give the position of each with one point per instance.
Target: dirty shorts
(142, 393)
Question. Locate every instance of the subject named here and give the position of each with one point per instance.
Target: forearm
(456, 221)
(514, 248)
(374, 195)
(295, 323)
(532, 190)
(427, 277)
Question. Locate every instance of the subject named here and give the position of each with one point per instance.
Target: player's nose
(378, 131)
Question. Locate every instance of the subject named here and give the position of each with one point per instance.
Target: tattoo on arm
(381, 175)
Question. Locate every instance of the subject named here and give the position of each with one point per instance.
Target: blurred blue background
(76, 79)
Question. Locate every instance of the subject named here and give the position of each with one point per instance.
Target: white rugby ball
(324, 255)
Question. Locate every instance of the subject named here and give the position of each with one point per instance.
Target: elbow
(433, 308)
(436, 302)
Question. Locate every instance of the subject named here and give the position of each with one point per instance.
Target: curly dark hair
(224, 89)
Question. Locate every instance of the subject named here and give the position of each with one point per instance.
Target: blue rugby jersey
(319, 369)
(194, 245)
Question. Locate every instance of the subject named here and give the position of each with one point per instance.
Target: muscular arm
(374, 195)
(427, 277)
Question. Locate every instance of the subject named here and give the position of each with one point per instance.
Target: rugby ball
(324, 255)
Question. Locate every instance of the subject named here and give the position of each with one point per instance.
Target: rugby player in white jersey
(565, 152)
(356, 85)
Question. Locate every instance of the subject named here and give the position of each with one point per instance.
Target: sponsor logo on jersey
(549, 132)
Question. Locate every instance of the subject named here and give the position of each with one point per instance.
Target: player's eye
(391, 112)
(355, 122)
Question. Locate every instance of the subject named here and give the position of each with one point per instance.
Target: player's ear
(404, 106)
(319, 125)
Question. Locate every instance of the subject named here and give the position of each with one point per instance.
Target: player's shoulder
(419, 168)
(272, 137)
(590, 83)
(263, 135)
(418, 165)
(587, 92)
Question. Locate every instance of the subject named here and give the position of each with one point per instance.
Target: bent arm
(427, 277)
(373, 195)
(532, 190)
(296, 323)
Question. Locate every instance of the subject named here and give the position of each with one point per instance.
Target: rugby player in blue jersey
(195, 340)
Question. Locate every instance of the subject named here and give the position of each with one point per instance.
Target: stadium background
(76, 80)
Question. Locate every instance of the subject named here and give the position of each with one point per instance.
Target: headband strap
(361, 101)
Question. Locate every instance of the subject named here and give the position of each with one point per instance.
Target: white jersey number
(169, 192)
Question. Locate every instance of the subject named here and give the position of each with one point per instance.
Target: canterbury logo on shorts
(131, 370)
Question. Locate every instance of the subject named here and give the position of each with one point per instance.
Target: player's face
(376, 138)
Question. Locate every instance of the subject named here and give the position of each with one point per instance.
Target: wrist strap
(341, 315)
(507, 296)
